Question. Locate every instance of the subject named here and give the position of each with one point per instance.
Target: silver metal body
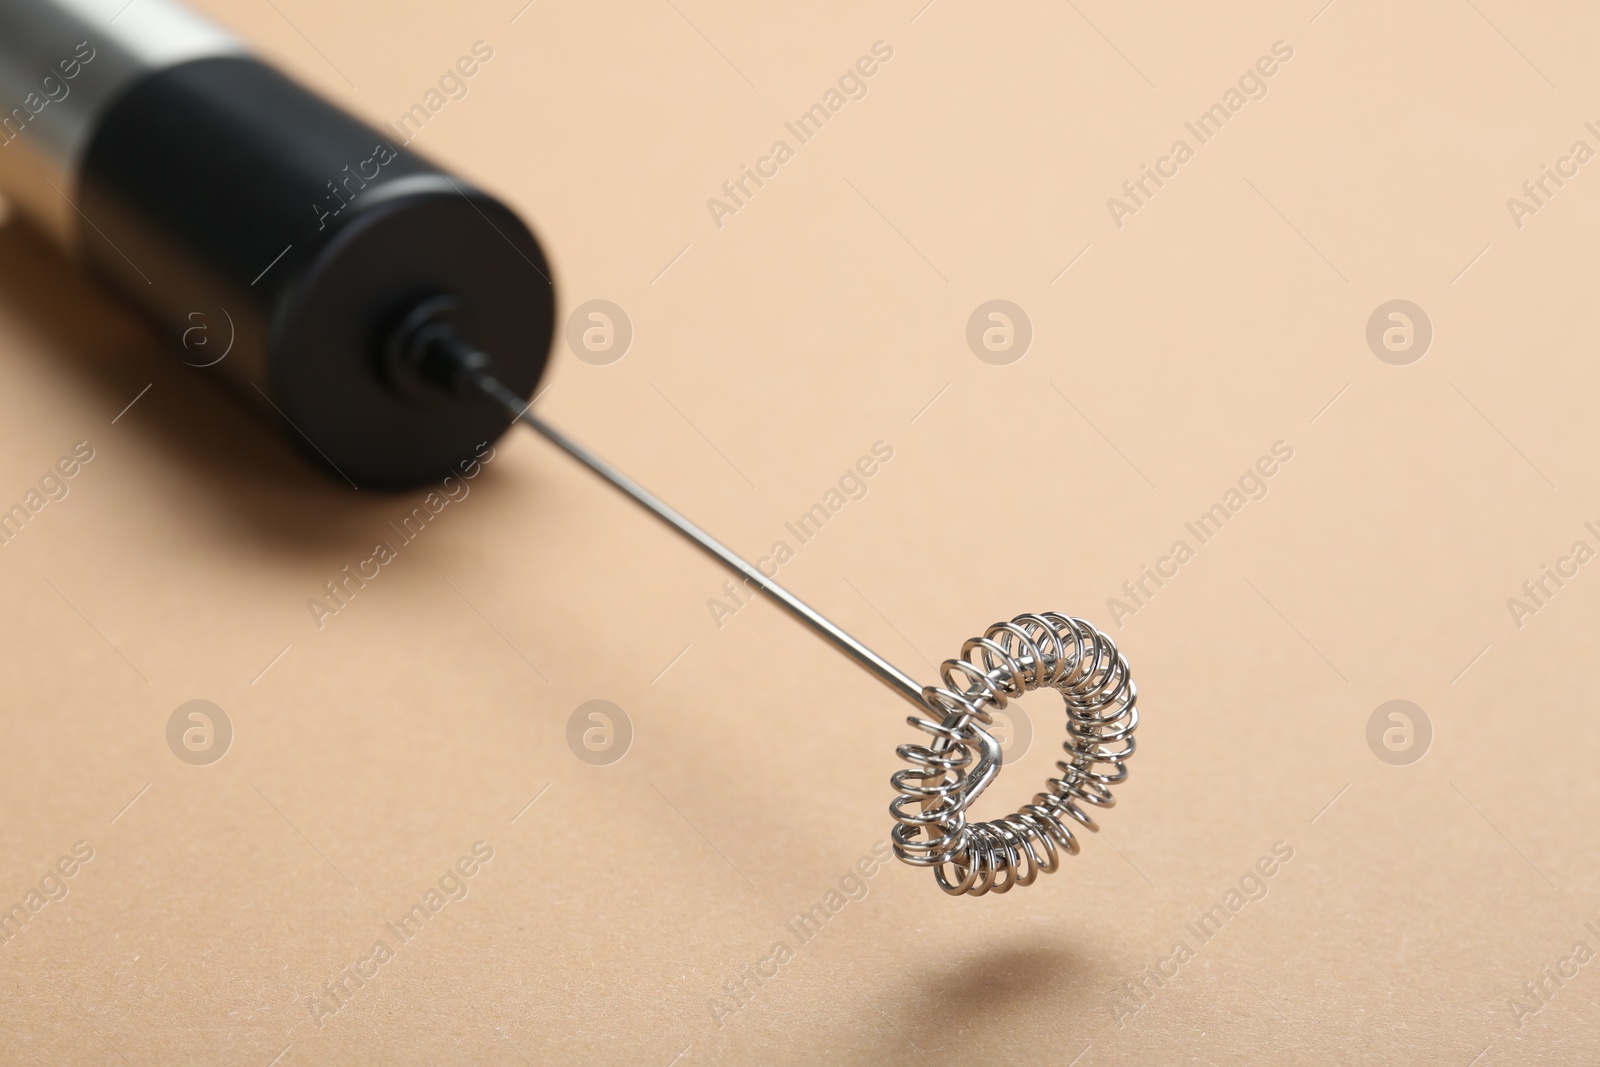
(947, 775)
(62, 64)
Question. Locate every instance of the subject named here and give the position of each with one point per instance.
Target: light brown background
(824, 316)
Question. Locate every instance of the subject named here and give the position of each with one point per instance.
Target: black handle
(238, 208)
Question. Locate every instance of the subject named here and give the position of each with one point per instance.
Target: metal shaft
(868, 660)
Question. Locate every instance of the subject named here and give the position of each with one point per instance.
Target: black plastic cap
(223, 189)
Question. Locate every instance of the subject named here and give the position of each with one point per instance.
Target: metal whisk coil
(946, 776)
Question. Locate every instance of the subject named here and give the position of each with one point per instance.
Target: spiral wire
(948, 773)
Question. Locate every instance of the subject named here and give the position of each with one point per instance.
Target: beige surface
(1223, 317)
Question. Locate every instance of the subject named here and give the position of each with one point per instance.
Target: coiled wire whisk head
(947, 774)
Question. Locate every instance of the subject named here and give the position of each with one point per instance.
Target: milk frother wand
(394, 316)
